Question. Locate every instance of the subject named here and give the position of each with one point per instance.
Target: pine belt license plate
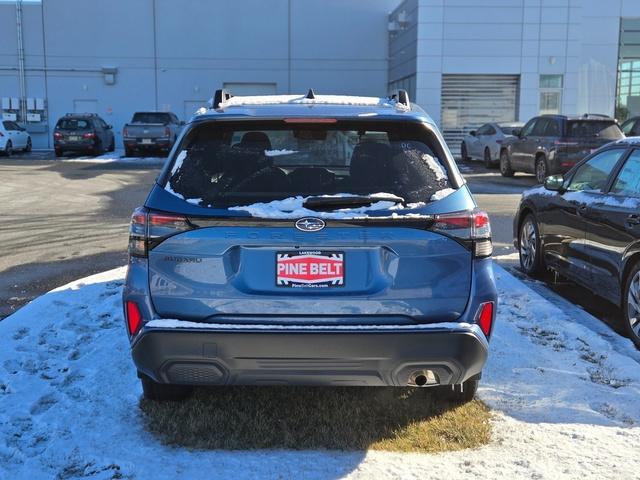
(310, 269)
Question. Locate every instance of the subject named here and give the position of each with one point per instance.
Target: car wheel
(29, 146)
(159, 391)
(128, 152)
(463, 152)
(488, 163)
(459, 393)
(541, 169)
(505, 164)
(112, 147)
(631, 305)
(59, 152)
(99, 148)
(529, 246)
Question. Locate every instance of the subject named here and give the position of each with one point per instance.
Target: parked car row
(545, 145)
(88, 133)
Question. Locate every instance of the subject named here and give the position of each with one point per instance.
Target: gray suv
(551, 144)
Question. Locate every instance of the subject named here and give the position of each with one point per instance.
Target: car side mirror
(555, 183)
(472, 133)
(109, 127)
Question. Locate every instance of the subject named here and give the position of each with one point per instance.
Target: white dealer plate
(310, 268)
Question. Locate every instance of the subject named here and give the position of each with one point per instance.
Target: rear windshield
(151, 117)
(606, 129)
(508, 129)
(246, 163)
(74, 124)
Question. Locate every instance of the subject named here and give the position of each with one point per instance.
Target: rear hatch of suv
(318, 222)
(583, 136)
(75, 131)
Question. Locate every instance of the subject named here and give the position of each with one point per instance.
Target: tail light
(472, 225)
(148, 229)
(484, 318)
(499, 142)
(57, 135)
(125, 132)
(134, 318)
(89, 135)
(167, 132)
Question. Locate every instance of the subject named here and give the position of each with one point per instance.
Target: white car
(484, 143)
(13, 137)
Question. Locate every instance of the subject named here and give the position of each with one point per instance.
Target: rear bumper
(359, 357)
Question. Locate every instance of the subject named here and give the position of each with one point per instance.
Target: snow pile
(116, 157)
(564, 389)
(292, 207)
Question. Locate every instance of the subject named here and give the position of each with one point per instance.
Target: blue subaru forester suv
(310, 240)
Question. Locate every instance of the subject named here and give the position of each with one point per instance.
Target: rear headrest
(370, 162)
(256, 140)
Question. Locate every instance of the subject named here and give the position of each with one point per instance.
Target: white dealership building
(465, 61)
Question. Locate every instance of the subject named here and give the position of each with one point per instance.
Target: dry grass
(394, 419)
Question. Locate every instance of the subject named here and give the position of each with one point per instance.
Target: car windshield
(151, 117)
(74, 124)
(222, 165)
(606, 129)
(508, 129)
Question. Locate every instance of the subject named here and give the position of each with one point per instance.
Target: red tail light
(57, 135)
(167, 132)
(148, 229)
(485, 317)
(89, 135)
(134, 318)
(499, 142)
(471, 225)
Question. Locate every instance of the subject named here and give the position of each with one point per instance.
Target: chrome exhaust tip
(423, 378)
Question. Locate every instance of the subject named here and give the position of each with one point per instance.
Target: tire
(505, 164)
(8, 149)
(29, 147)
(631, 305)
(463, 152)
(163, 392)
(488, 163)
(530, 246)
(58, 152)
(99, 148)
(459, 393)
(128, 152)
(541, 169)
(112, 147)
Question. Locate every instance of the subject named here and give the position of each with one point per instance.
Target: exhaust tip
(423, 378)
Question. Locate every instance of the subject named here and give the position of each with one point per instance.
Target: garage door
(469, 101)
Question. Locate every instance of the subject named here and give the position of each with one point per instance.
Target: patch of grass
(394, 419)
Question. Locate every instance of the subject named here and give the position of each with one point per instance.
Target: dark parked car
(318, 240)
(151, 132)
(631, 127)
(83, 133)
(585, 225)
(551, 144)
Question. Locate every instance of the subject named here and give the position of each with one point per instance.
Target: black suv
(83, 133)
(551, 144)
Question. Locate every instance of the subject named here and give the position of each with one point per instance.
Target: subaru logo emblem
(310, 224)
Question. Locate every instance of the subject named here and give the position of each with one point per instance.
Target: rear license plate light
(310, 269)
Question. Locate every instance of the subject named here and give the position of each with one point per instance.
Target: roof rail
(595, 115)
(221, 96)
(401, 97)
(86, 114)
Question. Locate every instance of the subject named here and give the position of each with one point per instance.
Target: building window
(551, 94)
(628, 85)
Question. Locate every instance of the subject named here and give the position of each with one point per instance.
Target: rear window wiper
(351, 201)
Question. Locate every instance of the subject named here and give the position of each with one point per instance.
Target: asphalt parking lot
(63, 220)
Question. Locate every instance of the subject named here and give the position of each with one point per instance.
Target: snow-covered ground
(116, 156)
(564, 388)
